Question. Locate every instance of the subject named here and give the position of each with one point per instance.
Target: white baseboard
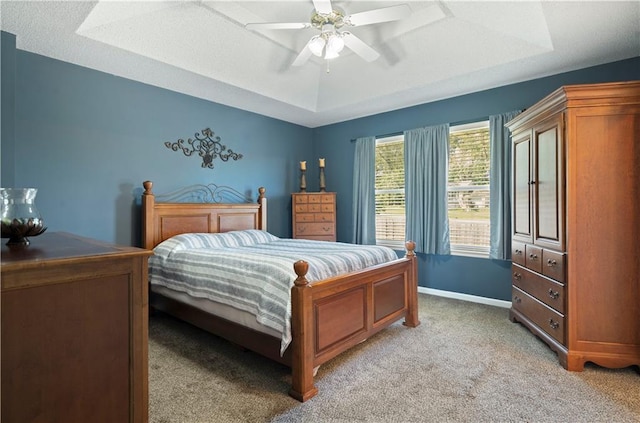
(465, 297)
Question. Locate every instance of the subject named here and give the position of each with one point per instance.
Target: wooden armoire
(576, 223)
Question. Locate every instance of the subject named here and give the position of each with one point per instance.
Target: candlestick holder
(303, 181)
(323, 187)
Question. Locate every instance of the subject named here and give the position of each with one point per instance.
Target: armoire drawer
(533, 258)
(517, 252)
(543, 316)
(553, 265)
(544, 289)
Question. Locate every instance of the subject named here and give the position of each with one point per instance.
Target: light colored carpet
(466, 362)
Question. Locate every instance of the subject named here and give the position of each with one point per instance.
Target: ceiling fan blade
(323, 7)
(277, 25)
(359, 47)
(385, 14)
(304, 55)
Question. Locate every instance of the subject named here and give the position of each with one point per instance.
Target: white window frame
(461, 249)
(395, 244)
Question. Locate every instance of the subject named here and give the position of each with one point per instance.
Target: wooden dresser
(74, 331)
(576, 223)
(314, 215)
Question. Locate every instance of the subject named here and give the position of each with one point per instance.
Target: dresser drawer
(323, 217)
(300, 199)
(328, 199)
(544, 289)
(327, 208)
(533, 258)
(544, 317)
(553, 265)
(309, 208)
(517, 252)
(305, 229)
(305, 217)
(315, 198)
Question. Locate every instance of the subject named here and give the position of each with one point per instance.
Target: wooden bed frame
(328, 316)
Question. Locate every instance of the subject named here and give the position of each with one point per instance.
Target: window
(390, 214)
(468, 189)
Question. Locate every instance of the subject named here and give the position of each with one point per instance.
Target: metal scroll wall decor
(206, 145)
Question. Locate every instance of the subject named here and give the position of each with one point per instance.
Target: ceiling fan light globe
(330, 54)
(335, 43)
(316, 45)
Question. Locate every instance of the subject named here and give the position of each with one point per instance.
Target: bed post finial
(147, 187)
(410, 246)
(301, 268)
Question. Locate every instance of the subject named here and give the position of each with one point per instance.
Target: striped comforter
(252, 270)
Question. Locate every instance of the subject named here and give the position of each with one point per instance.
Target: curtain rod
(393, 134)
(462, 122)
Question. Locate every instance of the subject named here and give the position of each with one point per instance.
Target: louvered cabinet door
(521, 207)
(548, 184)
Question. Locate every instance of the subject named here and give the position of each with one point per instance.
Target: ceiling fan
(331, 40)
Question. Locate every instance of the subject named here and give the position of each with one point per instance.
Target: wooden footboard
(333, 315)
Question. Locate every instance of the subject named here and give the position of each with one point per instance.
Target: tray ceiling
(444, 49)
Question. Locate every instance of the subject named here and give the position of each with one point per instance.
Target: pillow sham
(206, 240)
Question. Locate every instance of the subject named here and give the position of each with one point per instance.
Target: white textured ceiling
(444, 49)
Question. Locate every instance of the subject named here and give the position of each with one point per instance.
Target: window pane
(390, 215)
(468, 199)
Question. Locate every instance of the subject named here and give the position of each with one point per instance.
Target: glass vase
(20, 217)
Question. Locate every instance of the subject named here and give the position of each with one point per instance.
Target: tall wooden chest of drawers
(74, 331)
(576, 223)
(314, 215)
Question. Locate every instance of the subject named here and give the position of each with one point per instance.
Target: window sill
(469, 253)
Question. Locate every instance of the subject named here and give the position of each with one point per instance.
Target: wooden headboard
(168, 217)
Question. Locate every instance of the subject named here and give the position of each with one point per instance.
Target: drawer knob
(517, 276)
(553, 324)
(551, 263)
(533, 256)
(517, 299)
(518, 252)
(553, 294)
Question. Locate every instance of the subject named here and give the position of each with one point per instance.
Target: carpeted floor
(466, 362)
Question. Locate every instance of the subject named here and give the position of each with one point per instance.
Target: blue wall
(481, 277)
(7, 108)
(87, 140)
